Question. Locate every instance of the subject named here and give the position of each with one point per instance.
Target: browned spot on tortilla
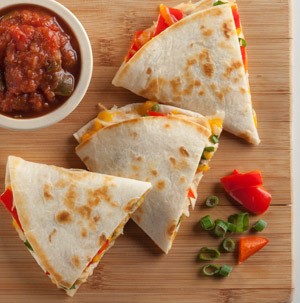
(236, 80)
(217, 93)
(197, 83)
(61, 183)
(77, 175)
(96, 218)
(175, 85)
(201, 93)
(149, 71)
(191, 61)
(48, 192)
(177, 99)
(173, 160)
(95, 196)
(133, 134)
(83, 232)
(63, 217)
(75, 261)
(129, 207)
(167, 125)
(206, 31)
(192, 44)
(70, 197)
(135, 167)
(161, 184)
(53, 232)
(171, 229)
(152, 88)
(243, 91)
(139, 158)
(208, 69)
(226, 29)
(182, 179)
(154, 172)
(101, 239)
(147, 180)
(234, 66)
(206, 64)
(216, 11)
(84, 211)
(184, 152)
(188, 90)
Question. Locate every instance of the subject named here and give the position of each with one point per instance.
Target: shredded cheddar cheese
(203, 168)
(254, 117)
(106, 116)
(145, 107)
(207, 155)
(97, 126)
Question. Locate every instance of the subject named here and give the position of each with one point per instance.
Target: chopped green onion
(231, 227)
(214, 139)
(207, 223)
(242, 42)
(260, 225)
(241, 221)
(208, 254)
(220, 228)
(155, 108)
(219, 3)
(73, 286)
(225, 270)
(212, 201)
(228, 245)
(27, 244)
(210, 269)
(209, 149)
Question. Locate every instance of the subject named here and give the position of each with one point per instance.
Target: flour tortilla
(165, 151)
(67, 215)
(196, 64)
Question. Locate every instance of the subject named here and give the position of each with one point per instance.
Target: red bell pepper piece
(155, 114)
(191, 194)
(103, 247)
(244, 57)
(255, 199)
(237, 181)
(161, 25)
(236, 16)
(249, 246)
(7, 200)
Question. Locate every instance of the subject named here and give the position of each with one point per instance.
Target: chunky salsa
(39, 61)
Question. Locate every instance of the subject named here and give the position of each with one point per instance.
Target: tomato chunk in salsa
(39, 62)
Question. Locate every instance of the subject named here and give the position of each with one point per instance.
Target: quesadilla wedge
(194, 57)
(68, 218)
(161, 144)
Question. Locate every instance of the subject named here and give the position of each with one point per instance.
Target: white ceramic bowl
(85, 73)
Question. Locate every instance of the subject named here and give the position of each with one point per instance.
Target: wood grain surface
(134, 270)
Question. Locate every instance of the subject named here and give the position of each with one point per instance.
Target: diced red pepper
(237, 181)
(155, 114)
(161, 25)
(7, 200)
(246, 189)
(249, 246)
(191, 194)
(244, 57)
(103, 247)
(255, 199)
(236, 16)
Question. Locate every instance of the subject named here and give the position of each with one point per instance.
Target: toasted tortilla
(68, 215)
(165, 151)
(196, 64)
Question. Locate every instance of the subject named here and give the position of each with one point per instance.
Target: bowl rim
(85, 73)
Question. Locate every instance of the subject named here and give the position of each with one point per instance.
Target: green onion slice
(207, 223)
(221, 228)
(228, 245)
(231, 227)
(209, 149)
(212, 201)
(260, 225)
(225, 270)
(219, 3)
(208, 254)
(214, 139)
(242, 42)
(27, 244)
(73, 286)
(155, 108)
(210, 269)
(241, 221)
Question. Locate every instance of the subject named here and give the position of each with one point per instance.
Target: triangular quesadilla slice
(68, 218)
(161, 144)
(194, 58)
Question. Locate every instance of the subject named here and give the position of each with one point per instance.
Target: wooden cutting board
(134, 270)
